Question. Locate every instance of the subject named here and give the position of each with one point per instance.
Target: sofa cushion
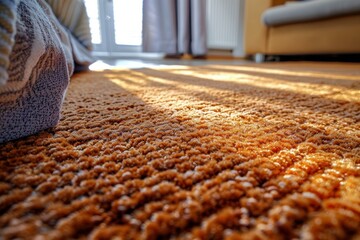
(302, 11)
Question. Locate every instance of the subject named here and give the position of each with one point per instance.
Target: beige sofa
(334, 35)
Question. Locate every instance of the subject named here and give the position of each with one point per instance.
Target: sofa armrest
(279, 2)
(256, 33)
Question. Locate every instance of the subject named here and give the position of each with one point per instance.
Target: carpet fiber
(266, 151)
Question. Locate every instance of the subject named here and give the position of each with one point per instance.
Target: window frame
(108, 46)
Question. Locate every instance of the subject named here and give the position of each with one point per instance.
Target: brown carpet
(205, 152)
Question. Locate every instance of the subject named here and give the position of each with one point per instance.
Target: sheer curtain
(174, 27)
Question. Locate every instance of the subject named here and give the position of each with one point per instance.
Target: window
(128, 22)
(116, 25)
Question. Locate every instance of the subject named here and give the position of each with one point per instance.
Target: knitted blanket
(36, 62)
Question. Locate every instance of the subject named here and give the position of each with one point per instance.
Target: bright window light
(128, 22)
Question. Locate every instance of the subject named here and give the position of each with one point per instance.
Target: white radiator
(224, 21)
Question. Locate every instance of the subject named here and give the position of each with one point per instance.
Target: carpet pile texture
(266, 151)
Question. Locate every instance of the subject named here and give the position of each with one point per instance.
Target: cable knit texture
(40, 65)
